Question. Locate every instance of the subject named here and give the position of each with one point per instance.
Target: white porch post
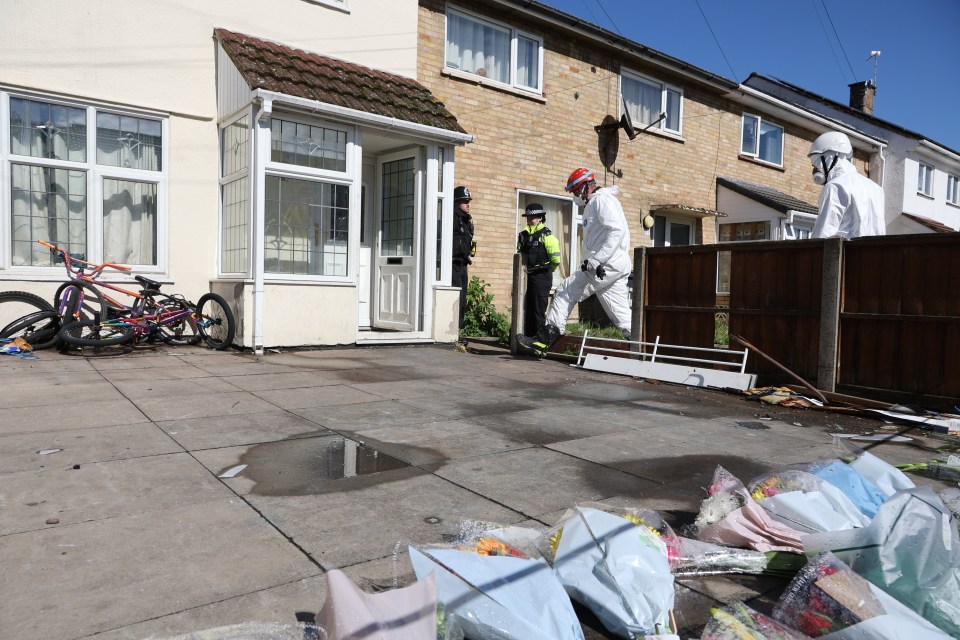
(261, 154)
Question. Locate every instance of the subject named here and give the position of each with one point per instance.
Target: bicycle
(89, 317)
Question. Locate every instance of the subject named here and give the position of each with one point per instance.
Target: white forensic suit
(606, 239)
(851, 205)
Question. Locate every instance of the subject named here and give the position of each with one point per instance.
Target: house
(285, 158)
(544, 92)
(920, 177)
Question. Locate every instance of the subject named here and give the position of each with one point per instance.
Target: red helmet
(578, 177)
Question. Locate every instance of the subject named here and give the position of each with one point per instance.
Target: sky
(820, 45)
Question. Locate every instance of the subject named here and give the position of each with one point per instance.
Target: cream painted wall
(445, 314)
(296, 315)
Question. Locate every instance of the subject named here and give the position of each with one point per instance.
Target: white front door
(398, 253)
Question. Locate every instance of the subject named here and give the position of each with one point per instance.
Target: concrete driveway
(127, 530)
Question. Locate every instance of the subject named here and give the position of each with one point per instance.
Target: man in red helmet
(605, 269)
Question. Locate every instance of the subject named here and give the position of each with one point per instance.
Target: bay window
(89, 179)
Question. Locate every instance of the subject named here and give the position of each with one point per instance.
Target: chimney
(862, 95)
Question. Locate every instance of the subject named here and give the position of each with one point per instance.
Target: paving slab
(325, 396)
(172, 389)
(390, 509)
(201, 405)
(291, 380)
(79, 580)
(82, 446)
(357, 416)
(472, 405)
(51, 416)
(214, 432)
(175, 370)
(76, 493)
(437, 442)
(93, 388)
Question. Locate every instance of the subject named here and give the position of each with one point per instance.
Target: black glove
(585, 267)
(601, 272)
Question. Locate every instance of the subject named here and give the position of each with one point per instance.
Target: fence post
(519, 292)
(638, 296)
(830, 303)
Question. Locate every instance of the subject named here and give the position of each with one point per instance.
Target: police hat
(534, 209)
(462, 193)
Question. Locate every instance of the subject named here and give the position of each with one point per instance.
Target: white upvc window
(953, 189)
(761, 140)
(236, 149)
(646, 99)
(494, 51)
(307, 199)
(925, 179)
(90, 179)
(564, 223)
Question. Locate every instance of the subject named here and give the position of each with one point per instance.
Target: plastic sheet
(911, 550)
(805, 502)
(748, 525)
(695, 557)
(740, 622)
(409, 613)
(828, 600)
(885, 477)
(618, 569)
(499, 597)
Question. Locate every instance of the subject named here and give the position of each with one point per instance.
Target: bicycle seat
(148, 283)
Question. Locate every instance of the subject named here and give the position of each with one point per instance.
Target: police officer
(541, 256)
(464, 247)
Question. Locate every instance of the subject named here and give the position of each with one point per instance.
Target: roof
(772, 198)
(833, 104)
(938, 227)
(294, 72)
(686, 210)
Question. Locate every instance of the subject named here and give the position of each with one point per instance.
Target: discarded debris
(873, 438)
(53, 521)
(231, 472)
(46, 452)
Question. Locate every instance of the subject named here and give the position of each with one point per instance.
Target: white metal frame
(755, 154)
(664, 88)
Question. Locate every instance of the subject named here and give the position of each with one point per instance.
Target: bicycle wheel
(15, 305)
(78, 300)
(175, 322)
(215, 321)
(39, 329)
(91, 333)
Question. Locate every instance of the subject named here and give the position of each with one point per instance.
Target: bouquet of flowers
(697, 558)
(730, 516)
(806, 502)
(740, 622)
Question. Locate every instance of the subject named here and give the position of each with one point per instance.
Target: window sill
(499, 86)
(762, 163)
(955, 205)
(333, 4)
(925, 196)
(669, 135)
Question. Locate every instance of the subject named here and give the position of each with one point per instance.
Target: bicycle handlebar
(95, 269)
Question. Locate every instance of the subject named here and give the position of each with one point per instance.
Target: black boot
(538, 345)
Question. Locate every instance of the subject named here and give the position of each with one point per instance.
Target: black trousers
(535, 304)
(459, 278)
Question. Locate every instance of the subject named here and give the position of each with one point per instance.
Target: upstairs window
(761, 140)
(646, 99)
(953, 189)
(925, 179)
(494, 51)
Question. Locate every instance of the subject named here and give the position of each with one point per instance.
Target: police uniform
(541, 257)
(463, 247)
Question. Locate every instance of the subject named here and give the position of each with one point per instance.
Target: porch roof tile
(277, 67)
(774, 199)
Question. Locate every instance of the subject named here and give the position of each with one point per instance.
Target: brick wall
(533, 143)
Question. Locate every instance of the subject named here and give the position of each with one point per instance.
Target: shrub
(481, 317)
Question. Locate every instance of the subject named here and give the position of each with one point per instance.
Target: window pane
(771, 143)
(672, 122)
(129, 222)
(47, 204)
(748, 138)
(397, 205)
(477, 47)
(44, 130)
(305, 227)
(307, 145)
(236, 216)
(559, 219)
(128, 141)
(235, 143)
(528, 63)
(643, 100)
(679, 234)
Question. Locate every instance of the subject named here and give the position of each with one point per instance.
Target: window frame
(755, 154)
(572, 245)
(225, 179)
(514, 34)
(95, 174)
(300, 172)
(665, 88)
(953, 185)
(925, 186)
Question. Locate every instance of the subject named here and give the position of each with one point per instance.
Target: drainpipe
(261, 149)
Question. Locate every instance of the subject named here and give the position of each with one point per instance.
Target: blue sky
(820, 45)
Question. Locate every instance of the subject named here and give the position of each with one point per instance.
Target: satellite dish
(626, 122)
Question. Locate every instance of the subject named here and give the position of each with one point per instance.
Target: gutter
(363, 117)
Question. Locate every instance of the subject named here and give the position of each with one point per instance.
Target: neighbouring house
(286, 158)
(544, 92)
(920, 177)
